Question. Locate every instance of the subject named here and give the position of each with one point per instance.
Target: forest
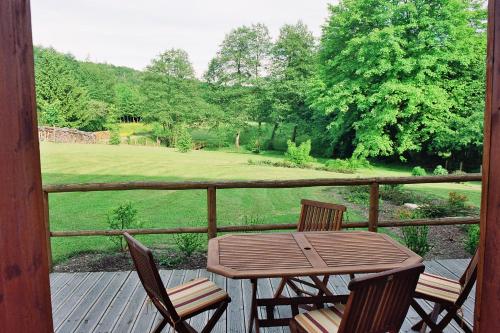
(388, 79)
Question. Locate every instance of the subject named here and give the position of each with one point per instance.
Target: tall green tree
(237, 76)
(400, 77)
(60, 98)
(293, 64)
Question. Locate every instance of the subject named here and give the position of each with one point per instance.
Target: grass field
(74, 163)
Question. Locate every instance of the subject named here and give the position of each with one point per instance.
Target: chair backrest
(150, 278)
(320, 216)
(468, 278)
(379, 302)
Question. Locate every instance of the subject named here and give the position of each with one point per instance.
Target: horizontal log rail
(211, 187)
(233, 184)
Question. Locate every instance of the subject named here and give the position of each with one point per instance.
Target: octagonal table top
(249, 256)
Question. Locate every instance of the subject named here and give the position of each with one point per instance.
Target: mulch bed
(96, 262)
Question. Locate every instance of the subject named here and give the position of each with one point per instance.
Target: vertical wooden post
(486, 317)
(374, 203)
(24, 274)
(212, 212)
(46, 223)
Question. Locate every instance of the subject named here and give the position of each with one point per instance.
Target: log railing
(212, 186)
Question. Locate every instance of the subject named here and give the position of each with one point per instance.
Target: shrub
(472, 239)
(416, 238)
(114, 137)
(396, 194)
(418, 171)
(299, 155)
(358, 194)
(188, 243)
(184, 141)
(440, 171)
(338, 165)
(459, 173)
(122, 217)
(255, 145)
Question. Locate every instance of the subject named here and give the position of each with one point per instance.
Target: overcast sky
(131, 32)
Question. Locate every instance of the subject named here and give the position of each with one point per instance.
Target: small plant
(184, 141)
(459, 173)
(188, 243)
(170, 261)
(122, 217)
(129, 140)
(472, 239)
(299, 155)
(358, 194)
(416, 238)
(440, 171)
(418, 171)
(338, 165)
(255, 145)
(114, 138)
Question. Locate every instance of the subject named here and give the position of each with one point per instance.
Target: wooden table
(254, 256)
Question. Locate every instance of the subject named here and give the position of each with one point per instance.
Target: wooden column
(374, 205)
(212, 212)
(488, 284)
(24, 274)
(46, 223)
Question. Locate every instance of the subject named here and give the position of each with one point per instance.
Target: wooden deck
(116, 302)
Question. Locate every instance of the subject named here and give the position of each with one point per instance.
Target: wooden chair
(447, 294)
(314, 216)
(180, 303)
(377, 303)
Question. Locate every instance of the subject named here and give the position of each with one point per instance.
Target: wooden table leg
(254, 315)
(322, 285)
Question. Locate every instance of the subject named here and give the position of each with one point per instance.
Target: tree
(293, 61)
(237, 76)
(172, 95)
(60, 98)
(128, 101)
(393, 76)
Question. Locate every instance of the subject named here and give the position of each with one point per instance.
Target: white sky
(131, 32)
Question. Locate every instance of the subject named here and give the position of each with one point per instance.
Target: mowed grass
(75, 163)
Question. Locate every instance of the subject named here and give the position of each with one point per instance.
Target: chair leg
(215, 317)
(426, 318)
(160, 326)
(461, 322)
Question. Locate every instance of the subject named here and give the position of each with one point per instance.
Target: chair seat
(321, 320)
(195, 295)
(439, 287)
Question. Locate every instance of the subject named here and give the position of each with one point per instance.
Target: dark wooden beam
(24, 273)
(487, 319)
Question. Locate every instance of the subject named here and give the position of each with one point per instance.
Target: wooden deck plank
(116, 307)
(96, 312)
(116, 302)
(79, 312)
(76, 297)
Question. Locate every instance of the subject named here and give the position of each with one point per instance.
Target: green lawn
(74, 163)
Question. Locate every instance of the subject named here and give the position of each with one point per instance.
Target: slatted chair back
(468, 278)
(379, 302)
(320, 216)
(150, 278)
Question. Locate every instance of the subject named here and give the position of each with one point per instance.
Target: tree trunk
(294, 133)
(273, 134)
(237, 140)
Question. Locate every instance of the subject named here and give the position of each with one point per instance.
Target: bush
(184, 141)
(358, 194)
(454, 206)
(255, 145)
(418, 171)
(299, 155)
(396, 194)
(338, 165)
(472, 239)
(188, 243)
(440, 171)
(416, 238)
(122, 217)
(459, 173)
(114, 138)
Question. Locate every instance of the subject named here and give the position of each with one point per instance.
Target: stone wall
(69, 135)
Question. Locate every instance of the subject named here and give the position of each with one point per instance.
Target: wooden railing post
(374, 203)
(46, 222)
(212, 212)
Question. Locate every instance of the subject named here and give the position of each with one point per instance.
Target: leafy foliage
(415, 237)
(299, 155)
(122, 217)
(418, 171)
(440, 171)
(188, 243)
(346, 166)
(472, 240)
(114, 137)
(184, 141)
